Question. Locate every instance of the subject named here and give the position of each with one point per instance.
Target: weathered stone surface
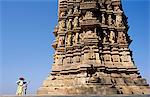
(84, 96)
(92, 55)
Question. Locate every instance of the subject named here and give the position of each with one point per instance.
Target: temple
(92, 55)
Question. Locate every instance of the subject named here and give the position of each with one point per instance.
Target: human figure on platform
(20, 87)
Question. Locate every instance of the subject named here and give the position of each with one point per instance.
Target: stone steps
(84, 96)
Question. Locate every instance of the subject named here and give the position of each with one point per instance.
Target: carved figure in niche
(88, 15)
(107, 58)
(69, 40)
(121, 38)
(70, 11)
(102, 4)
(118, 20)
(74, 38)
(76, 22)
(92, 55)
(125, 57)
(81, 36)
(105, 39)
(77, 38)
(60, 41)
(103, 19)
(117, 8)
(90, 33)
(115, 58)
(112, 37)
(69, 24)
(62, 14)
(76, 9)
(109, 7)
(109, 20)
(61, 25)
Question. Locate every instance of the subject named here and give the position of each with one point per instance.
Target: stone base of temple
(70, 85)
(84, 96)
(83, 90)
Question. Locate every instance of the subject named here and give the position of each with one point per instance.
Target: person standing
(20, 86)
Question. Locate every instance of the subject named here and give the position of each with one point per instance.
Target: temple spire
(92, 54)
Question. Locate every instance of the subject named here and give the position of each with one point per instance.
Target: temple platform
(84, 96)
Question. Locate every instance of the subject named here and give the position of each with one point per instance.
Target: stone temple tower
(92, 54)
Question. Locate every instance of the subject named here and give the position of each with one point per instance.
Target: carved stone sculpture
(112, 37)
(122, 38)
(76, 9)
(88, 15)
(90, 33)
(69, 24)
(103, 19)
(62, 14)
(61, 41)
(105, 35)
(69, 40)
(118, 20)
(76, 38)
(109, 20)
(109, 7)
(61, 24)
(76, 22)
(70, 11)
(107, 58)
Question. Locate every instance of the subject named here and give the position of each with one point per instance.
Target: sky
(26, 36)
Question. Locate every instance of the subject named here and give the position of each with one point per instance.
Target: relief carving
(70, 11)
(105, 36)
(60, 41)
(109, 20)
(76, 22)
(107, 58)
(76, 9)
(109, 7)
(119, 20)
(61, 24)
(76, 38)
(112, 37)
(103, 18)
(62, 14)
(88, 15)
(69, 39)
(92, 55)
(115, 58)
(90, 33)
(122, 38)
(69, 24)
(125, 57)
